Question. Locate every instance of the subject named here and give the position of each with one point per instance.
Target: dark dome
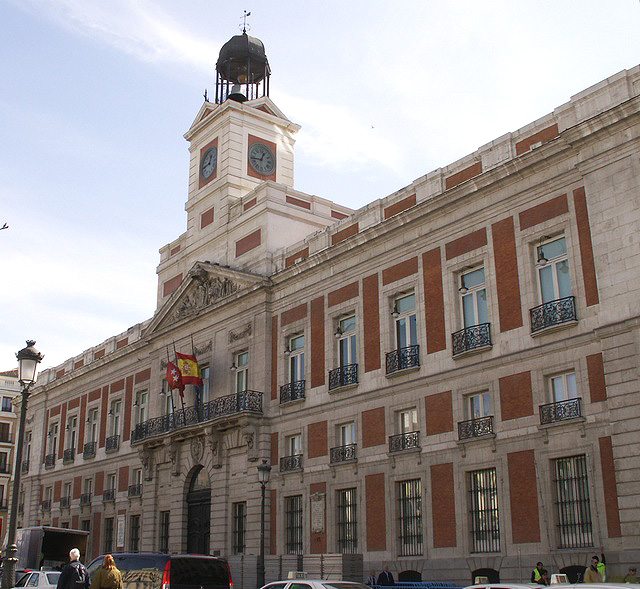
(243, 60)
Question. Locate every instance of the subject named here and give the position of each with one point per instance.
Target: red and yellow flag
(189, 369)
(174, 379)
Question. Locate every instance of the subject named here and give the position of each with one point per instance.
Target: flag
(189, 369)
(174, 378)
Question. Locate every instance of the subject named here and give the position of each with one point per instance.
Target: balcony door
(199, 513)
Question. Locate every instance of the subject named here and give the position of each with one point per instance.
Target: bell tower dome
(242, 70)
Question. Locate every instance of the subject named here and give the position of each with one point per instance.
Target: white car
(39, 579)
(554, 586)
(314, 584)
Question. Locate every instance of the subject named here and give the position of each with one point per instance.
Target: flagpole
(175, 354)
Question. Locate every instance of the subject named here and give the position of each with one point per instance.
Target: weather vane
(244, 22)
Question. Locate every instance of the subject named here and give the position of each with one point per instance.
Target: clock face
(208, 163)
(262, 159)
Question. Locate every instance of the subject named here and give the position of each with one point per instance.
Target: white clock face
(262, 159)
(208, 163)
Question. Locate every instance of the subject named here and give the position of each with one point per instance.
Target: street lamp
(263, 477)
(28, 360)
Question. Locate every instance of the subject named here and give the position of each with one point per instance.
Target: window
(294, 445)
(404, 313)
(4, 462)
(346, 434)
(478, 405)
(5, 435)
(92, 425)
(142, 402)
(484, 523)
(410, 517)
(116, 408)
(2, 498)
(108, 535)
(88, 487)
(554, 278)
(134, 533)
(347, 523)
(168, 396)
(407, 421)
(164, 532)
(241, 363)
(346, 334)
(53, 438)
(296, 358)
(7, 404)
(27, 447)
(111, 482)
(85, 525)
(239, 514)
(473, 298)
(573, 508)
(563, 387)
(67, 490)
(72, 432)
(293, 524)
(205, 373)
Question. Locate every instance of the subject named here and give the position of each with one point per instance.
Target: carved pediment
(205, 286)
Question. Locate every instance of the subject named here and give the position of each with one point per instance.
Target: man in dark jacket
(74, 575)
(385, 578)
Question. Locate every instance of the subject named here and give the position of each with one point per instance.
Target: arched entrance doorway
(199, 513)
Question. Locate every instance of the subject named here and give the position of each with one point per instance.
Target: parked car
(151, 570)
(314, 584)
(38, 579)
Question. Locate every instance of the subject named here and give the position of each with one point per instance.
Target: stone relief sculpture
(146, 458)
(214, 440)
(248, 437)
(207, 291)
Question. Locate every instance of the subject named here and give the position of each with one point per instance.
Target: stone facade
(468, 397)
(9, 395)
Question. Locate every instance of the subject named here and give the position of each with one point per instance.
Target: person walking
(601, 566)
(74, 574)
(536, 573)
(631, 576)
(107, 576)
(385, 578)
(592, 575)
(371, 579)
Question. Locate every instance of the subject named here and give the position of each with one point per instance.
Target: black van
(151, 570)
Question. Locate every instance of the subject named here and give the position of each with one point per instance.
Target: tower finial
(244, 22)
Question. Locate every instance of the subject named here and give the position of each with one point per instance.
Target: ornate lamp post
(28, 360)
(263, 477)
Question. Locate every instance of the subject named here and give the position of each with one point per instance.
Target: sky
(95, 96)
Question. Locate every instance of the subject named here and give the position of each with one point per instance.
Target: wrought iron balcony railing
(343, 376)
(134, 491)
(46, 505)
(65, 502)
(553, 313)
(109, 495)
(49, 460)
(553, 412)
(475, 428)
(89, 450)
(402, 359)
(25, 466)
(471, 338)
(244, 402)
(292, 391)
(112, 443)
(288, 463)
(85, 499)
(343, 453)
(406, 441)
(68, 455)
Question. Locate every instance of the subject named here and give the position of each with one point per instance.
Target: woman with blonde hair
(107, 576)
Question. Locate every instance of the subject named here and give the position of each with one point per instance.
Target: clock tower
(240, 192)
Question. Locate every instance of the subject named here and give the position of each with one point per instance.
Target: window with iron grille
(293, 524)
(347, 521)
(483, 511)
(410, 517)
(108, 534)
(134, 533)
(164, 532)
(572, 502)
(239, 514)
